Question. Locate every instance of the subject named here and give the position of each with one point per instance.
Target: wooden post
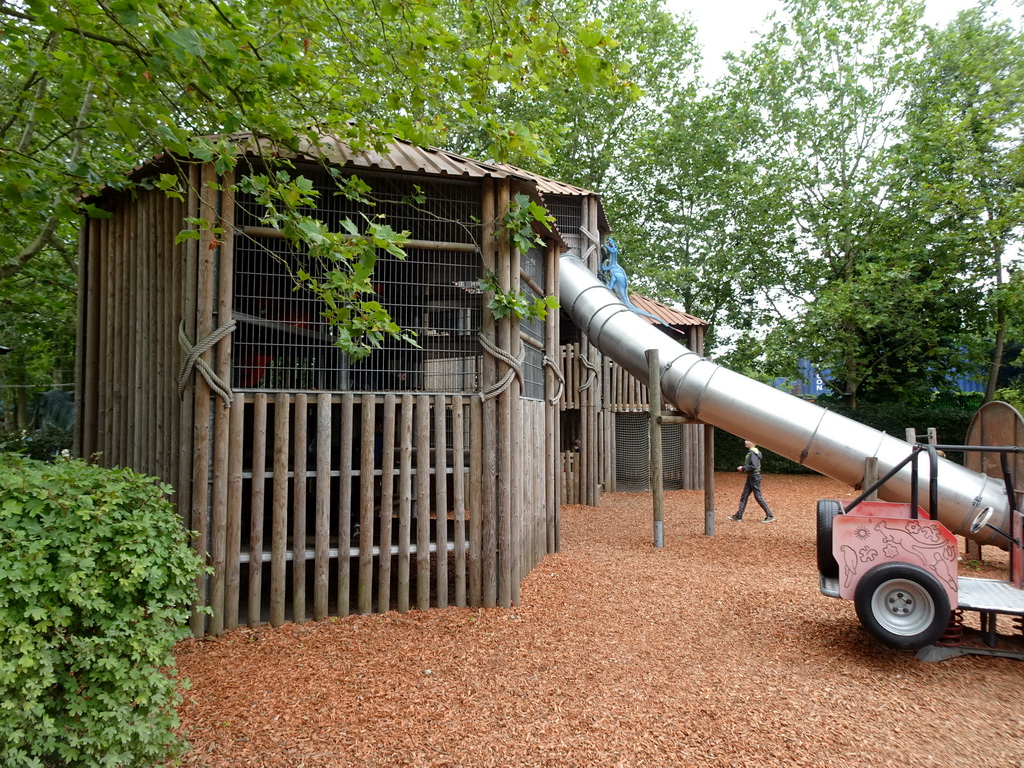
(203, 404)
(871, 476)
(590, 450)
(387, 505)
(344, 587)
(87, 305)
(422, 444)
(404, 503)
(551, 425)
(441, 502)
(233, 544)
(322, 529)
(459, 499)
(476, 464)
(279, 511)
(299, 448)
(256, 506)
(367, 459)
(487, 509)
(517, 508)
(657, 479)
(709, 480)
(503, 429)
(221, 267)
(189, 251)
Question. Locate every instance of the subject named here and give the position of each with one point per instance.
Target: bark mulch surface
(714, 651)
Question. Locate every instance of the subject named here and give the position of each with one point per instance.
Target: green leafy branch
(340, 264)
(518, 222)
(518, 303)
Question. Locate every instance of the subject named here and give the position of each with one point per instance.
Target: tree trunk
(997, 354)
(21, 408)
(850, 398)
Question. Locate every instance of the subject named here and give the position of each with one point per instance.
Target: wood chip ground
(714, 651)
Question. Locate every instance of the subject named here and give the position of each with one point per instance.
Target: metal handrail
(933, 482)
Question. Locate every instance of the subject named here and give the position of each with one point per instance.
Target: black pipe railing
(1004, 452)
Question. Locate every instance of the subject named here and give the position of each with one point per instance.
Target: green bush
(43, 444)
(1014, 395)
(96, 578)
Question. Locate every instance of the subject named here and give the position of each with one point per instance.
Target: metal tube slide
(801, 431)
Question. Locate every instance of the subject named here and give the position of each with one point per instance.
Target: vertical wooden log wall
(128, 354)
(552, 421)
(391, 531)
(133, 289)
(490, 470)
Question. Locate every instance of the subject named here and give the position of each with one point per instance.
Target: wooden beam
(423, 245)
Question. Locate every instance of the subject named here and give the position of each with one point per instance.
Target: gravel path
(714, 651)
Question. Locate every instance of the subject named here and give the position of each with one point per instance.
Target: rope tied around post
(515, 368)
(590, 376)
(193, 360)
(553, 365)
(593, 243)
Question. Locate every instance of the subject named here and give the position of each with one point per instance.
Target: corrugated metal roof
(545, 185)
(404, 156)
(666, 313)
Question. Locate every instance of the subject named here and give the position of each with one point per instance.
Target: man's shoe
(734, 517)
(770, 519)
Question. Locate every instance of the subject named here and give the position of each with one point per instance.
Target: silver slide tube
(801, 431)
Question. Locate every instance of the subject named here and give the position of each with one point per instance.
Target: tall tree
(586, 132)
(822, 89)
(679, 193)
(961, 167)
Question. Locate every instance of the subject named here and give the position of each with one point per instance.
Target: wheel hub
(902, 607)
(900, 603)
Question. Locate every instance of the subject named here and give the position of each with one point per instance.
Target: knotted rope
(553, 365)
(515, 368)
(193, 359)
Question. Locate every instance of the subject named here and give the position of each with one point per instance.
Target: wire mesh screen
(633, 451)
(283, 341)
(533, 329)
(568, 212)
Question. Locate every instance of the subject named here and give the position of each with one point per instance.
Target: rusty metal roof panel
(403, 156)
(666, 313)
(544, 184)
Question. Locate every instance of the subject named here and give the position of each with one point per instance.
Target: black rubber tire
(902, 605)
(828, 566)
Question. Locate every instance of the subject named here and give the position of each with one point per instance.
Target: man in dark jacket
(752, 467)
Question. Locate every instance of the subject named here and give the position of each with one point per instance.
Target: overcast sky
(726, 25)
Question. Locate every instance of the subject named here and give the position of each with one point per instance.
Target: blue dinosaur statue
(617, 281)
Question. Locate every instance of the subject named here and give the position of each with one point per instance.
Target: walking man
(752, 468)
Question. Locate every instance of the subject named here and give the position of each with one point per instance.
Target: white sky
(727, 25)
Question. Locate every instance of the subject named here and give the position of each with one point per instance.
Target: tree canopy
(90, 89)
(849, 193)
